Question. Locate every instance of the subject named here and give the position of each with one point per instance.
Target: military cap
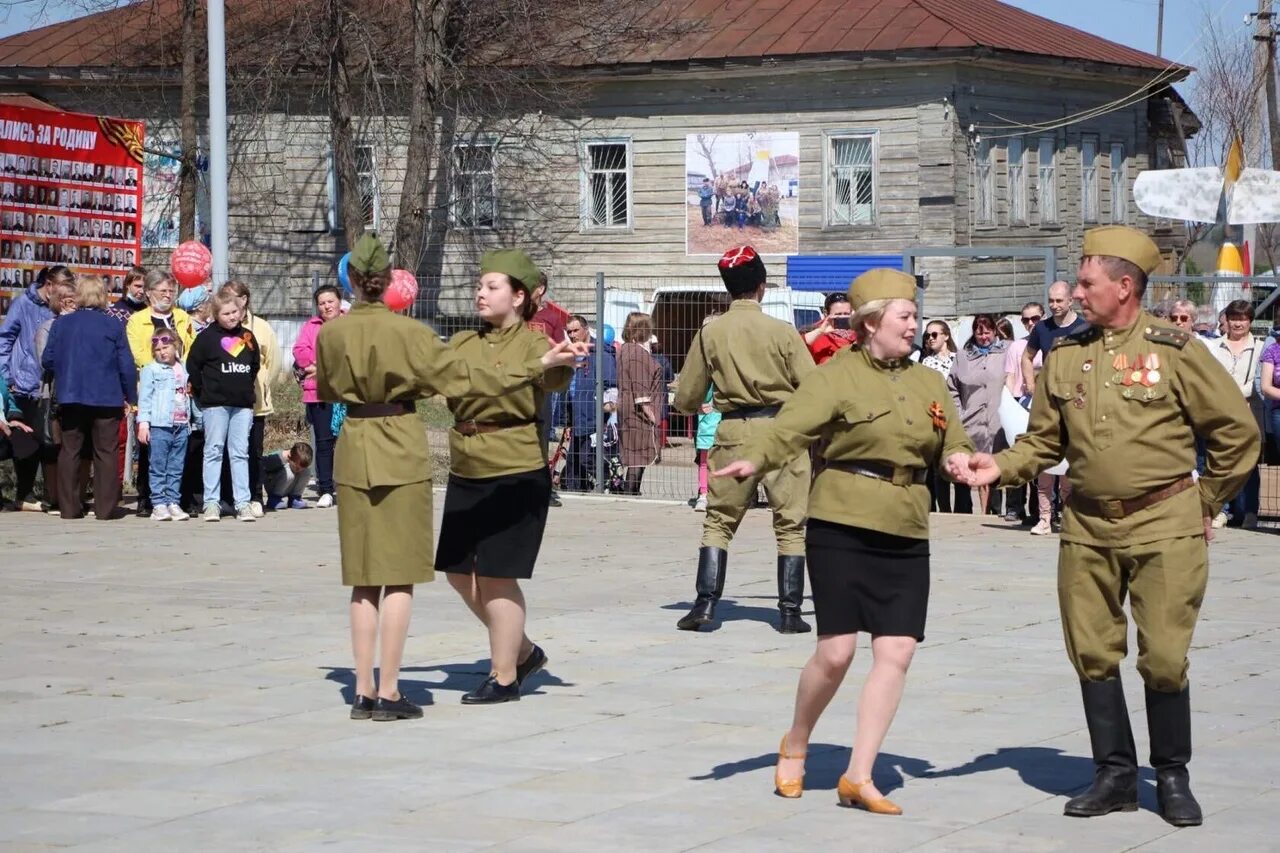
(369, 256)
(1121, 241)
(514, 264)
(882, 283)
(742, 269)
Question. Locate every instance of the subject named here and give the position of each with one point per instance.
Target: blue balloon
(343, 278)
(607, 335)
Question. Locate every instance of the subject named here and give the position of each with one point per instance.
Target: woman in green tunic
(378, 363)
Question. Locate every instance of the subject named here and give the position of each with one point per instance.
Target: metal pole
(1160, 29)
(599, 357)
(218, 140)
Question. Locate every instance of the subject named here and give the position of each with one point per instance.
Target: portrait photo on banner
(742, 188)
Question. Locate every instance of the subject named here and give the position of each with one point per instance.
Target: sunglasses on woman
(932, 335)
(1180, 318)
(1035, 318)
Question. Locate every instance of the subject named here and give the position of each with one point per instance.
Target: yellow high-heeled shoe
(850, 794)
(789, 788)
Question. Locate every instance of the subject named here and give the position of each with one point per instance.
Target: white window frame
(1119, 184)
(984, 186)
(454, 201)
(830, 219)
(1016, 168)
(1090, 192)
(331, 185)
(1047, 180)
(586, 196)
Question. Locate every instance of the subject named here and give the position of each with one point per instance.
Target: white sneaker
(176, 513)
(700, 505)
(326, 501)
(1042, 528)
(1219, 521)
(212, 512)
(255, 508)
(161, 513)
(245, 513)
(1250, 521)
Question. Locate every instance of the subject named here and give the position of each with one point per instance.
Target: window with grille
(1119, 185)
(367, 181)
(1017, 182)
(1047, 180)
(851, 181)
(606, 199)
(1089, 178)
(984, 208)
(475, 188)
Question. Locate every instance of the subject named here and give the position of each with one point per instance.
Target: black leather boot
(1169, 725)
(710, 586)
(1115, 781)
(791, 595)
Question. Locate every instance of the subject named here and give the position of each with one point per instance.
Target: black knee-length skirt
(493, 527)
(867, 581)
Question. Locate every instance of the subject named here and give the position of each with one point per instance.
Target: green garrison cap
(882, 283)
(1120, 241)
(369, 256)
(514, 264)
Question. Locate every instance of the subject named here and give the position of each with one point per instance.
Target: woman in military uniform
(378, 363)
(495, 508)
(889, 420)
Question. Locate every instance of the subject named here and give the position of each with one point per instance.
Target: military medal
(1153, 370)
(1087, 366)
(1078, 402)
(1120, 364)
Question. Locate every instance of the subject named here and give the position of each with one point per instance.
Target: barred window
(1047, 180)
(1089, 178)
(606, 197)
(1119, 185)
(1017, 182)
(475, 187)
(851, 180)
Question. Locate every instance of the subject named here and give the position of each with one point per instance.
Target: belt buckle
(1112, 509)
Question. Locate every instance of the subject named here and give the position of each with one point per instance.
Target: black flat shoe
(536, 660)
(385, 710)
(144, 509)
(362, 708)
(491, 693)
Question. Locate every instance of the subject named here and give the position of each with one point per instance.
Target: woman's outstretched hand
(564, 354)
(740, 470)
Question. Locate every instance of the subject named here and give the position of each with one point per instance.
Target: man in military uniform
(755, 363)
(1124, 402)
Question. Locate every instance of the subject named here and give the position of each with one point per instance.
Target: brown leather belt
(888, 473)
(1121, 508)
(380, 410)
(481, 428)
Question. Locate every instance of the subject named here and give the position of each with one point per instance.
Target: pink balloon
(402, 291)
(192, 264)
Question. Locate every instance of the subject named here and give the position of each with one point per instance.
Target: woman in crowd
(378, 363)
(639, 387)
(1240, 353)
(832, 334)
(940, 355)
(976, 379)
(867, 541)
(328, 301)
(95, 377)
(497, 459)
(268, 352)
(64, 304)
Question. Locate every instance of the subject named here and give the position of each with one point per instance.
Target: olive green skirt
(385, 534)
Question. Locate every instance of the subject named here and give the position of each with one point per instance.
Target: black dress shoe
(394, 709)
(536, 660)
(144, 509)
(491, 692)
(362, 708)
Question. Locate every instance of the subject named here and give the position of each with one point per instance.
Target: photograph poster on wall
(742, 188)
(70, 194)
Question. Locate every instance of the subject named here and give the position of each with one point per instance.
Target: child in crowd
(708, 422)
(164, 421)
(223, 365)
(285, 474)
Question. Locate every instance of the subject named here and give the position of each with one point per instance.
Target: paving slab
(184, 686)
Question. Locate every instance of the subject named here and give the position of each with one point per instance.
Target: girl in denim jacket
(164, 422)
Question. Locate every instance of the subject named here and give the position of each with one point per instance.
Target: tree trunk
(189, 142)
(431, 267)
(341, 109)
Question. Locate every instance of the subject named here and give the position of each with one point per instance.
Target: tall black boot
(1115, 780)
(1169, 725)
(791, 594)
(710, 586)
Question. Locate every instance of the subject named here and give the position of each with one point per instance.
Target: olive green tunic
(893, 413)
(382, 467)
(506, 451)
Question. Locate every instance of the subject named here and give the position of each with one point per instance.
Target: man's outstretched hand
(741, 470)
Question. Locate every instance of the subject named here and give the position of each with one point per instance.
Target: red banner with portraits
(70, 194)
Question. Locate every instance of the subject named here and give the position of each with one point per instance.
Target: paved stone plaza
(191, 696)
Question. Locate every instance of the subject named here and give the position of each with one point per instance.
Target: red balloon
(402, 291)
(192, 264)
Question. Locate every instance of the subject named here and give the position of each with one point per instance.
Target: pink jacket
(304, 355)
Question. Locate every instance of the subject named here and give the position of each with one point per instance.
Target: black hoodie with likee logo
(223, 365)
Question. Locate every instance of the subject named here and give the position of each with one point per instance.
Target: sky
(1131, 22)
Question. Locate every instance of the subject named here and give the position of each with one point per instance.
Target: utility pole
(1160, 29)
(218, 140)
(1267, 37)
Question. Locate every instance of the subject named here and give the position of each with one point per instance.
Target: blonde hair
(868, 312)
(91, 292)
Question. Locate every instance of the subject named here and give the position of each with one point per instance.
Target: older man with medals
(1124, 402)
